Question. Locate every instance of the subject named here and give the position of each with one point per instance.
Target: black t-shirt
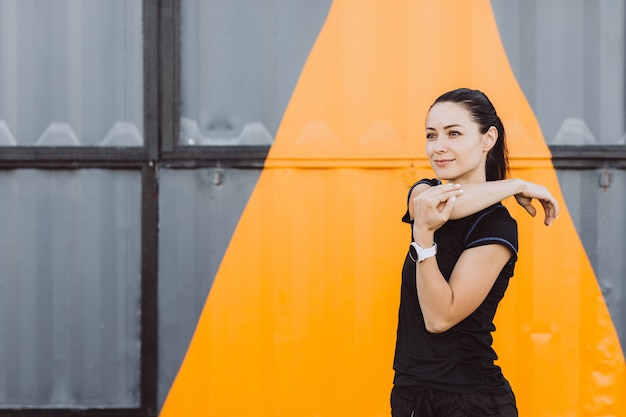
(461, 359)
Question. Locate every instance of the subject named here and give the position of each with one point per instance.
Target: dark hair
(483, 113)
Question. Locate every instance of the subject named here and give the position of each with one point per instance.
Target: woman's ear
(490, 138)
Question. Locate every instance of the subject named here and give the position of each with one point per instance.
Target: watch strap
(424, 253)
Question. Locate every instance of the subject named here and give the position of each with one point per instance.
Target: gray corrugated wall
(69, 240)
(70, 277)
(598, 213)
(71, 73)
(240, 64)
(199, 210)
(569, 58)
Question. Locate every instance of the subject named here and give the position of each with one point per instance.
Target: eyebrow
(445, 127)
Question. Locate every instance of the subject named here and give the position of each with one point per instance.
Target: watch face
(413, 253)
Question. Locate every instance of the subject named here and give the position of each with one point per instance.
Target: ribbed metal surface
(71, 73)
(70, 245)
(199, 210)
(597, 203)
(569, 58)
(240, 62)
(69, 288)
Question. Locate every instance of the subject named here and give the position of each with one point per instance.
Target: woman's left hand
(548, 202)
(432, 207)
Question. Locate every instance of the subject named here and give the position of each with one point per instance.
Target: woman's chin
(444, 176)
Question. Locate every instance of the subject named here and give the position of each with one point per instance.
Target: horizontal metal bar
(77, 412)
(563, 156)
(588, 156)
(25, 155)
(204, 153)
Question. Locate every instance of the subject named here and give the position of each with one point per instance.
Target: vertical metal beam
(151, 68)
(149, 205)
(169, 73)
(149, 287)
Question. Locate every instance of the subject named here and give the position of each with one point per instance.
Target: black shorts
(426, 402)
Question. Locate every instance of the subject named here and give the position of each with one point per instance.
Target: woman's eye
(454, 133)
(430, 136)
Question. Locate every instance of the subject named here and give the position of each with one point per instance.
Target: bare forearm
(433, 291)
(434, 294)
(479, 196)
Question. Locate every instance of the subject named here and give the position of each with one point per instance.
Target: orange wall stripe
(301, 317)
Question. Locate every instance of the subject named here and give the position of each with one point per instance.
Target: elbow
(438, 326)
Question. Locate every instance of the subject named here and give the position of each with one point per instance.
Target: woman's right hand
(538, 192)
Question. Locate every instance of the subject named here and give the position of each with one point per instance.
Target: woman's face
(456, 149)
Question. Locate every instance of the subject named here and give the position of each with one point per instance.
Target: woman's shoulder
(426, 181)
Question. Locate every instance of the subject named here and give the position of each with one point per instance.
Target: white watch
(418, 253)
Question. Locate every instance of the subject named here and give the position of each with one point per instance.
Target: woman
(459, 263)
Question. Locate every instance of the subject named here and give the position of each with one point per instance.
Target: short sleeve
(432, 182)
(493, 225)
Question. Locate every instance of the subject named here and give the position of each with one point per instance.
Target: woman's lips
(443, 162)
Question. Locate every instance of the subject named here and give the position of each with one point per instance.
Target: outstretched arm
(471, 198)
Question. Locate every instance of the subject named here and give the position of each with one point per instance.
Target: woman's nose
(440, 145)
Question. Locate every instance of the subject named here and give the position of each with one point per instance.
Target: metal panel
(283, 314)
(569, 59)
(199, 210)
(239, 64)
(71, 73)
(70, 279)
(597, 203)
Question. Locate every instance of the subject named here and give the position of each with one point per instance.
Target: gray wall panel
(70, 288)
(569, 59)
(71, 72)
(199, 210)
(598, 213)
(240, 62)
